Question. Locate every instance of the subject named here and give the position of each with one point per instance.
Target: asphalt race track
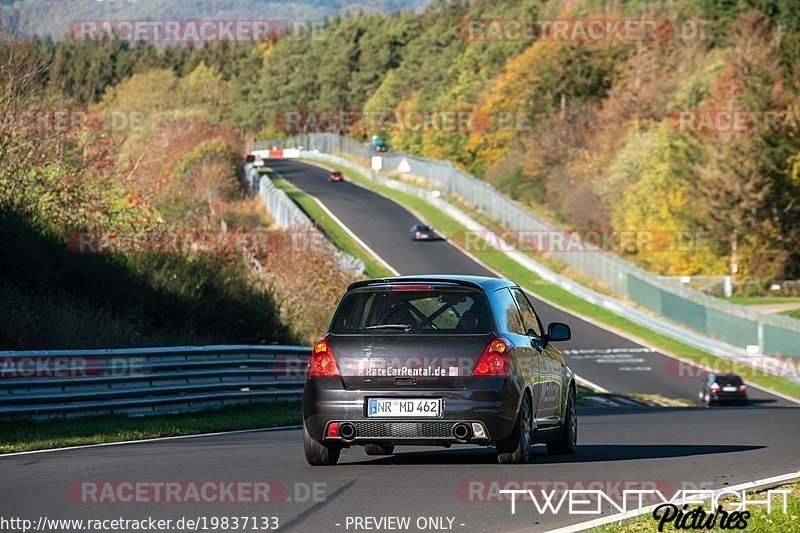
(664, 449)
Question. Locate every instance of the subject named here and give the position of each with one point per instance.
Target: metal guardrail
(287, 214)
(733, 325)
(41, 384)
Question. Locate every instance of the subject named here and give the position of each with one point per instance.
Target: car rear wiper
(404, 327)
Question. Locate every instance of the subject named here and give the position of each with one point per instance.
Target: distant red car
(336, 176)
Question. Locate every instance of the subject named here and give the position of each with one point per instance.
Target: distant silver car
(421, 232)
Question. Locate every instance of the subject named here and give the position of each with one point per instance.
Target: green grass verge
(792, 314)
(497, 260)
(762, 300)
(759, 521)
(27, 435)
(332, 230)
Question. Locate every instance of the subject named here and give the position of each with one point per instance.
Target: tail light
(742, 388)
(322, 362)
(333, 430)
(714, 387)
(412, 288)
(495, 359)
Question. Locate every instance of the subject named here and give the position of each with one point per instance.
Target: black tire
(379, 449)
(568, 442)
(517, 448)
(317, 454)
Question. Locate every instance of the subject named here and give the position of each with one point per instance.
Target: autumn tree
(735, 186)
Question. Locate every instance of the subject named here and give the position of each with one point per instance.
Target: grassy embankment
(27, 435)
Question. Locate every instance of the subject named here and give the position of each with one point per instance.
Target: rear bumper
(490, 402)
(729, 397)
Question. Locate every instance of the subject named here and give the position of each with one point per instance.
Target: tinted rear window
(413, 312)
(729, 380)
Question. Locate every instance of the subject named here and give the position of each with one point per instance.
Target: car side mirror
(557, 331)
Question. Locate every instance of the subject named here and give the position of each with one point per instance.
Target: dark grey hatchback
(438, 360)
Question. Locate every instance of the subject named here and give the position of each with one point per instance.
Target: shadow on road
(588, 453)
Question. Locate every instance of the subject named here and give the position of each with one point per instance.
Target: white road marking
(607, 351)
(590, 385)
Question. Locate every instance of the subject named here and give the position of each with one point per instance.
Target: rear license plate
(404, 408)
(729, 389)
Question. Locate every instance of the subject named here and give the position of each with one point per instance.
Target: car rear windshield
(729, 380)
(404, 312)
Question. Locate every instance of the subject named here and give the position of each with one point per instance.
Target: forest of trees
(599, 150)
(600, 147)
(144, 154)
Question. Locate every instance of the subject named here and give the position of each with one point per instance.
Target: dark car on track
(723, 388)
(421, 232)
(438, 360)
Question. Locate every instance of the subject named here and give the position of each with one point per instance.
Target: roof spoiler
(413, 279)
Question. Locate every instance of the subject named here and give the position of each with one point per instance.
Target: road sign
(404, 166)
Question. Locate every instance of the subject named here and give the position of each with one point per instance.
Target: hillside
(45, 17)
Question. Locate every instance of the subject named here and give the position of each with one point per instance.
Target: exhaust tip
(461, 431)
(347, 431)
